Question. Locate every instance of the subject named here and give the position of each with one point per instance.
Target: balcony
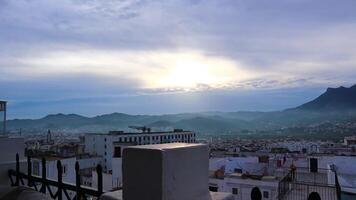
(305, 185)
(174, 171)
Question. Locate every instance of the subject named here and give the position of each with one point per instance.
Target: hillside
(336, 105)
(334, 99)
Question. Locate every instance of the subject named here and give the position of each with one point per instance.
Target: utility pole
(3, 109)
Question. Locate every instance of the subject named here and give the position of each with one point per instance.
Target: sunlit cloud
(153, 69)
(85, 49)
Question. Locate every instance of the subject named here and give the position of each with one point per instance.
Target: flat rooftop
(167, 146)
(139, 133)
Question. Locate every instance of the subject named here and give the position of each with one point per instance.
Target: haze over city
(178, 99)
(155, 57)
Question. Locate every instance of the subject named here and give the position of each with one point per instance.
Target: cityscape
(177, 100)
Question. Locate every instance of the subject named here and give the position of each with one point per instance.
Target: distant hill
(334, 99)
(334, 106)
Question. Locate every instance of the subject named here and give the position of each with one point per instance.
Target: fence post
(29, 171)
(99, 171)
(338, 188)
(59, 177)
(17, 183)
(43, 188)
(77, 181)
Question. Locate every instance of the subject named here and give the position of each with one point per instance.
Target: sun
(188, 73)
(191, 70)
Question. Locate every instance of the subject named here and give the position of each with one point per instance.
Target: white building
(350, 141)
(242, 176)
(297, 146)
(110, 146)
(103, 144)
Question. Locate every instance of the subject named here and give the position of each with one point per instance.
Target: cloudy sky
(169, 56)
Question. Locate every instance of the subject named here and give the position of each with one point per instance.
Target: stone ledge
(117, 195)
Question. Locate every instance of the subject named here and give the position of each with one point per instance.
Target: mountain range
(333, 106)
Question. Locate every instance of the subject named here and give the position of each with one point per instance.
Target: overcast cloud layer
(152, 56)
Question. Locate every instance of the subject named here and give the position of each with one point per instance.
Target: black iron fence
(44, 185)
(303, 185)
(284, 186)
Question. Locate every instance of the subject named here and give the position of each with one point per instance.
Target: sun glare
(192, 70)
(153, 70)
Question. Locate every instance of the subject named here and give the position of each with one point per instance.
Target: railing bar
(68, 186)
(17, 170)
(10, 176)
(66, 194)
(22, 182)
(59, 179)
(35, 186)
(49, 182)
(29, 171)
(77, 181)
(44, 174)
(99, 171)
(50, 191)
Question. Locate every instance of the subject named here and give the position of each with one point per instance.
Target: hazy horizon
(156, 57)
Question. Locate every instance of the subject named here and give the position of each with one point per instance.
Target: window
(235, 191)
(213, 188)
(117, 152)
(265, 194)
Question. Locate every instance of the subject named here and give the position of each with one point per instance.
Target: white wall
(245, 187)
(107, 181)
(117, 172)
(86, 163)
(8, 149)
(344, 164)
(231, 163)
(68, 167)
(102, 144)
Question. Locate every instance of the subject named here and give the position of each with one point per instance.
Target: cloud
(156, 47)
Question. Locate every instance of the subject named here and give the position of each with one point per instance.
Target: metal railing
(300, 185)
(43, 184)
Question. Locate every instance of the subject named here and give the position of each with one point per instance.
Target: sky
(93, 57)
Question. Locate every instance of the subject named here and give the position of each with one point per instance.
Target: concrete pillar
(173, 171)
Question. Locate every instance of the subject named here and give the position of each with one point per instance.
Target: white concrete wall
(245, 187)
(86, 163)
(102, 144)
(107, 181)
(9, 147)
(231, 163)
(117, 172)
(51, 169)
(344, 164)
